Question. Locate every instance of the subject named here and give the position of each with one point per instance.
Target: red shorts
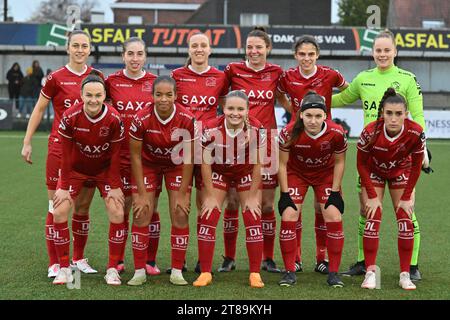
(269, 175)
(242, 182)
(269, 181)
(53, 164)
(298, 188)
(127, 185)
(398, 182)
(78, 181)
(153, 178)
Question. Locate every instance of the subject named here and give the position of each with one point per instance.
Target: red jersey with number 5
(260, 87)
(199, 92)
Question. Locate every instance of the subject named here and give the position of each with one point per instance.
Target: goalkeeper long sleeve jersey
(370, 85)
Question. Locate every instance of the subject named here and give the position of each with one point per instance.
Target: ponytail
(389, 96)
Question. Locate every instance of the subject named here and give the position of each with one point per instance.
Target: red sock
(116, 243)
(253, 240)
(269, 225)
(49, 234)
(126, 226)
(288, 244)
(199, 222)
(405, 239)
(298, 236)
(207, 240)
(230, 232)
(139, 243)
(155, 231)
(335, 244)
(321, 237)
(80, 231)
(62, 243)
(371, 239)
(179, 240)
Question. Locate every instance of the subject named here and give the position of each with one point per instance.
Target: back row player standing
(200, 89)
(130, 91)
(296, 82)
(63, 89)
(259, 80)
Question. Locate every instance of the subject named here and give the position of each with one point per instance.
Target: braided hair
(389, 96)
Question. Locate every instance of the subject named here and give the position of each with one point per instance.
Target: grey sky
(21, 10)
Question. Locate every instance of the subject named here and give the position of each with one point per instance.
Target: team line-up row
(125, 133)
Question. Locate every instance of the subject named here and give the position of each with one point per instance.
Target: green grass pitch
(23, 258)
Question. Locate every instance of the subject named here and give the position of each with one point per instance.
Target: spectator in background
(50, 112)
(26, 99)
(14, 77)
(37, 76)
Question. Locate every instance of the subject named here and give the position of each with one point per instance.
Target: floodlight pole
(5, 10)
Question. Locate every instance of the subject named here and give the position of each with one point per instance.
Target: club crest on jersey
(395, 85)
(210, 82)
(104, 132)
(147, 86)
(266, 76)
(325, 146)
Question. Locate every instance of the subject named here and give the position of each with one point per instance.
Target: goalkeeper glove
(427, 161)
(336, 200)
(285, 202)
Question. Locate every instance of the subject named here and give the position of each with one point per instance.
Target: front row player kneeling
(390, 150)
(231, 150)
(91, 133)
(312, 153)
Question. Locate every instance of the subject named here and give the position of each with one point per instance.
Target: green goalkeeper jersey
(370, 85)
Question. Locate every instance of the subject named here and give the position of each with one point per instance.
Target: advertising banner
(349, 40)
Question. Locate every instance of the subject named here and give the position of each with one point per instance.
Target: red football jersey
(323, 80)
(234, 153)
(63, 88)
(92, 139)
(313, 156)
(128, 96)
(156, 135)
(388, 157)
(199, 92)
(260, 87)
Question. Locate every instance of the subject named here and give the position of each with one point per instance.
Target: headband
(315, 105)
